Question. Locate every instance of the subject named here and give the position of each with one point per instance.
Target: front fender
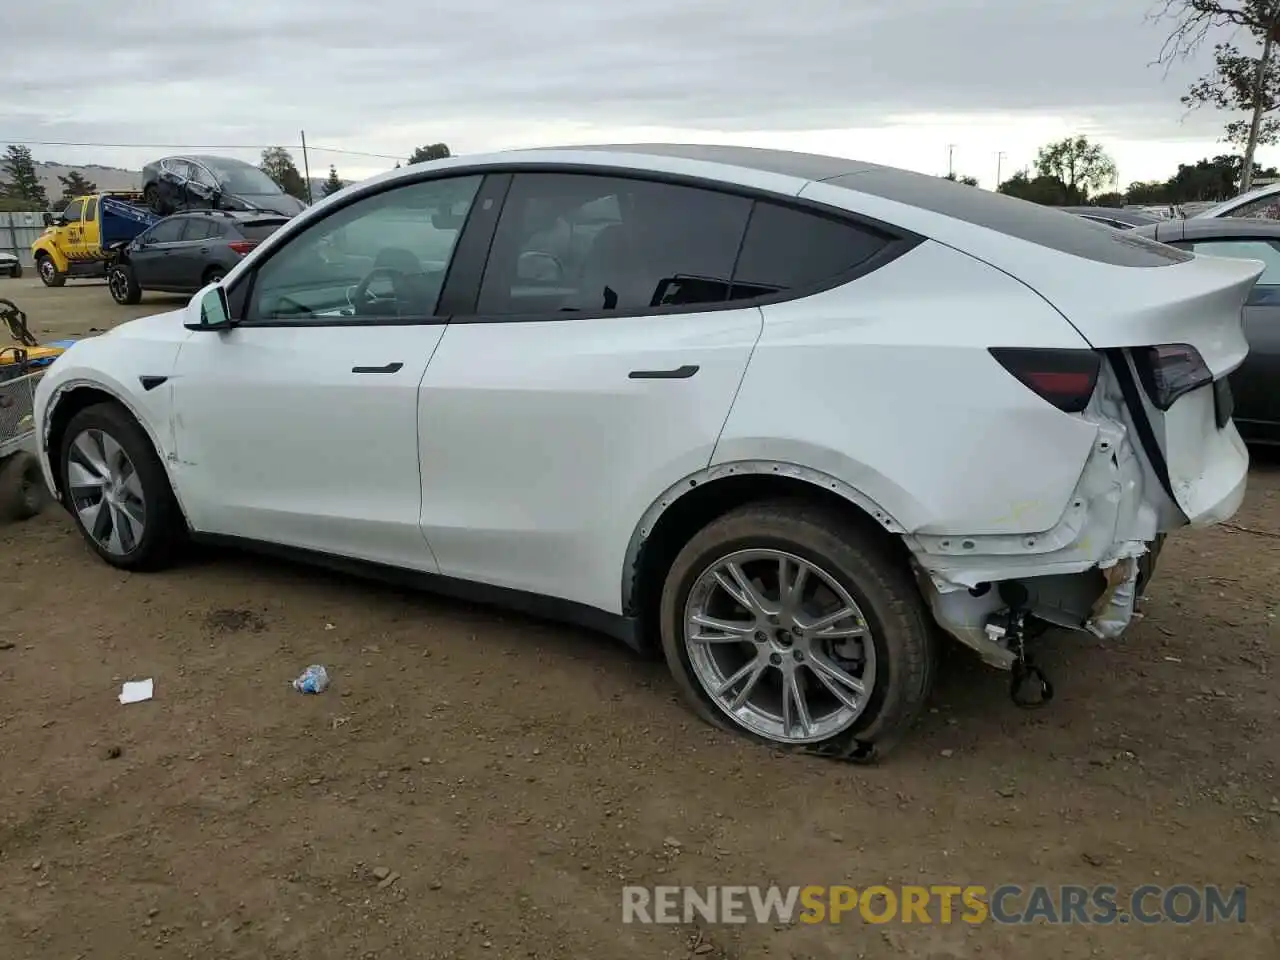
(152, 409)
(50, 249)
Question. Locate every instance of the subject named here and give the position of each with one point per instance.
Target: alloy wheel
(119, 284)
(779, 645)
(106, 492)
(47, 271)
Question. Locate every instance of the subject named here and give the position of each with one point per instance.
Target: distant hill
(107, 178)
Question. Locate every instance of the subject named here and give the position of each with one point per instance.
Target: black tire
(151, 197)
(883, 587)
(123, 284)
(15, 272)
(49, 274)
(22, 489)
(214, 275)
(164, 528)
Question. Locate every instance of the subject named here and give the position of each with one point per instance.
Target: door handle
(389, 368)
(676, 373)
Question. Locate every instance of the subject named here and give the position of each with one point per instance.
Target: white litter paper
(135, 691)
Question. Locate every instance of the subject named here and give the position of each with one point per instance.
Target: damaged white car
(784, 417)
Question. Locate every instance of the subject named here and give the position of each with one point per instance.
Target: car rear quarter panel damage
(985, 481)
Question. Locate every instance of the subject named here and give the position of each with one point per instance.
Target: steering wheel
(360, 292)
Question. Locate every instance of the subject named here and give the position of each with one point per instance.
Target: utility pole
(951, 167)
(306, 166)
(999, 164)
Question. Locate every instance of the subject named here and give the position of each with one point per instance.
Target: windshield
(242, 178)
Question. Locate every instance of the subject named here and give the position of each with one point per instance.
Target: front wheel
(50, 275)
(790, 624)
(123, 284)
(117, 489)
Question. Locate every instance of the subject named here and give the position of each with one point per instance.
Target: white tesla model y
(781, 416)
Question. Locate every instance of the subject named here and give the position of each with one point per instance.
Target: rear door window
(199, 228)
(167, 231)
(788, 249)
(587, 244)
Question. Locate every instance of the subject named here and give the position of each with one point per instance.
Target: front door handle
(389, 368)
(677, 373)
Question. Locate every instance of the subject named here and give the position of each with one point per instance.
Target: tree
(432, 151)
(1112, 199)
(332, 185)
(1241, 81)
(75, 185)
(1080, 166)
(967, 181)
(277, 163)
(21, 182)
(1048, 190)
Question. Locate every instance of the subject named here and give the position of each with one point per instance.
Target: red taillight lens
(1065, 378)
(1169, 370)
(242, 246)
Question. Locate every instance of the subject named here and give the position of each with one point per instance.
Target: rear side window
(259, 230)
(582, 243)
(1022, 219)
(788, 249)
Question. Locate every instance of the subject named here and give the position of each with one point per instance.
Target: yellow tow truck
(81, 240)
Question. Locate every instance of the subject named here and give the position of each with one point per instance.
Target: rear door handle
(389, 368)
(676, 373)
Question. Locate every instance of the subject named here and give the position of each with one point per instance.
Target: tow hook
(1029, 688)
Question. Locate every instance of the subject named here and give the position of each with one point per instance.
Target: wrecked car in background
(781, 416)
(213, 183)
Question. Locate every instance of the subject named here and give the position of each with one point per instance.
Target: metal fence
(18, 231)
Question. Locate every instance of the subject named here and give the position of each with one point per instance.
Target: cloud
(384, 75)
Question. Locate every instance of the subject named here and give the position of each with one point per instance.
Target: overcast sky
(894, 82)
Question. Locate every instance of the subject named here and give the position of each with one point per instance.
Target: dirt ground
(513, 775)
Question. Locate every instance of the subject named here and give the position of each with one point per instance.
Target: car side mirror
(48, 219)
(215, 311)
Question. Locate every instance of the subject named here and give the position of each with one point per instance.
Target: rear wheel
(117, 489)
(15, 271)
(123, 284)
(214, 275)
(790, 624)
(50, 276)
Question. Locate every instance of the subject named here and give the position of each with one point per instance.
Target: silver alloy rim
(119, 285)
(779, 645)
(46, 268)
(106, 492)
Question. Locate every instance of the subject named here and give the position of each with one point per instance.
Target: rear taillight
(1065, 378)
(1169, 370)
(242, 246)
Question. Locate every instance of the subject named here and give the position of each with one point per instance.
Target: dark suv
(183, 253)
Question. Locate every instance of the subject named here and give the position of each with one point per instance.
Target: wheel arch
(78, 395)
(689, 505)
(44, 248)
